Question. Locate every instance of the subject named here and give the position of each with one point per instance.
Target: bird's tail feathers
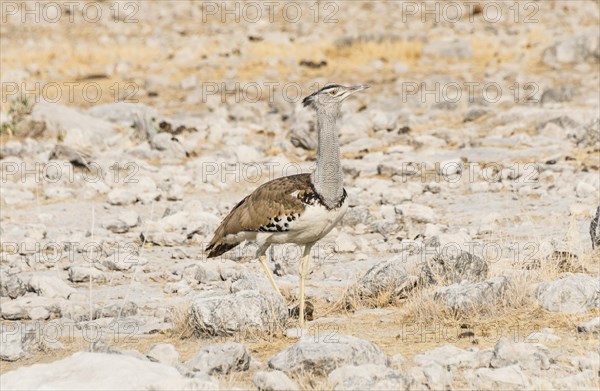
(216, 249)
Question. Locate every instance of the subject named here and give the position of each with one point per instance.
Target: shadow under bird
(299, 209)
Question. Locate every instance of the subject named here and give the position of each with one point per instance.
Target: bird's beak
(358, 88)
(354, 89)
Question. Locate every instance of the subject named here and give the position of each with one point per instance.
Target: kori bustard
(298, 209)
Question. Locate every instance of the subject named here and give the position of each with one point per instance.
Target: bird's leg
(303, 273)
(262, 258)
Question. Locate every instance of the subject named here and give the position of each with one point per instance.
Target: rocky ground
(472, 166)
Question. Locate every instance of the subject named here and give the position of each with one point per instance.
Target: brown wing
(258, 210)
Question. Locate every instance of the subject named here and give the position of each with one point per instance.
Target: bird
(299, 209)
(595, 229)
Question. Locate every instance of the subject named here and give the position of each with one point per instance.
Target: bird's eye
(332, 92)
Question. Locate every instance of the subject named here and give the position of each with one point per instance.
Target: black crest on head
(310, 99)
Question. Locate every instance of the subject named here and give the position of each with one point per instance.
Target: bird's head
(330, 97)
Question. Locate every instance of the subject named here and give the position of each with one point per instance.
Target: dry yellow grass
(345, 61)
(183, 327)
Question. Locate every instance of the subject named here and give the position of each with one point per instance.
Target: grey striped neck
(327, 177)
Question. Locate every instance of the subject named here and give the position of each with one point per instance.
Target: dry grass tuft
(352, 299)
(590, 262)
(382, 298)
(288, 294)
(310, 382)
(19, 108)
(518, 298)
(183, 326)
(235, 380)
(381, 287)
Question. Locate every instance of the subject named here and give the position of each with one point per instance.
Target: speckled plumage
(273, 207)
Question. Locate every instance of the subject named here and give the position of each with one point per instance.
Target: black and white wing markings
(313, 198)
(279, 223)
(310, 198)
